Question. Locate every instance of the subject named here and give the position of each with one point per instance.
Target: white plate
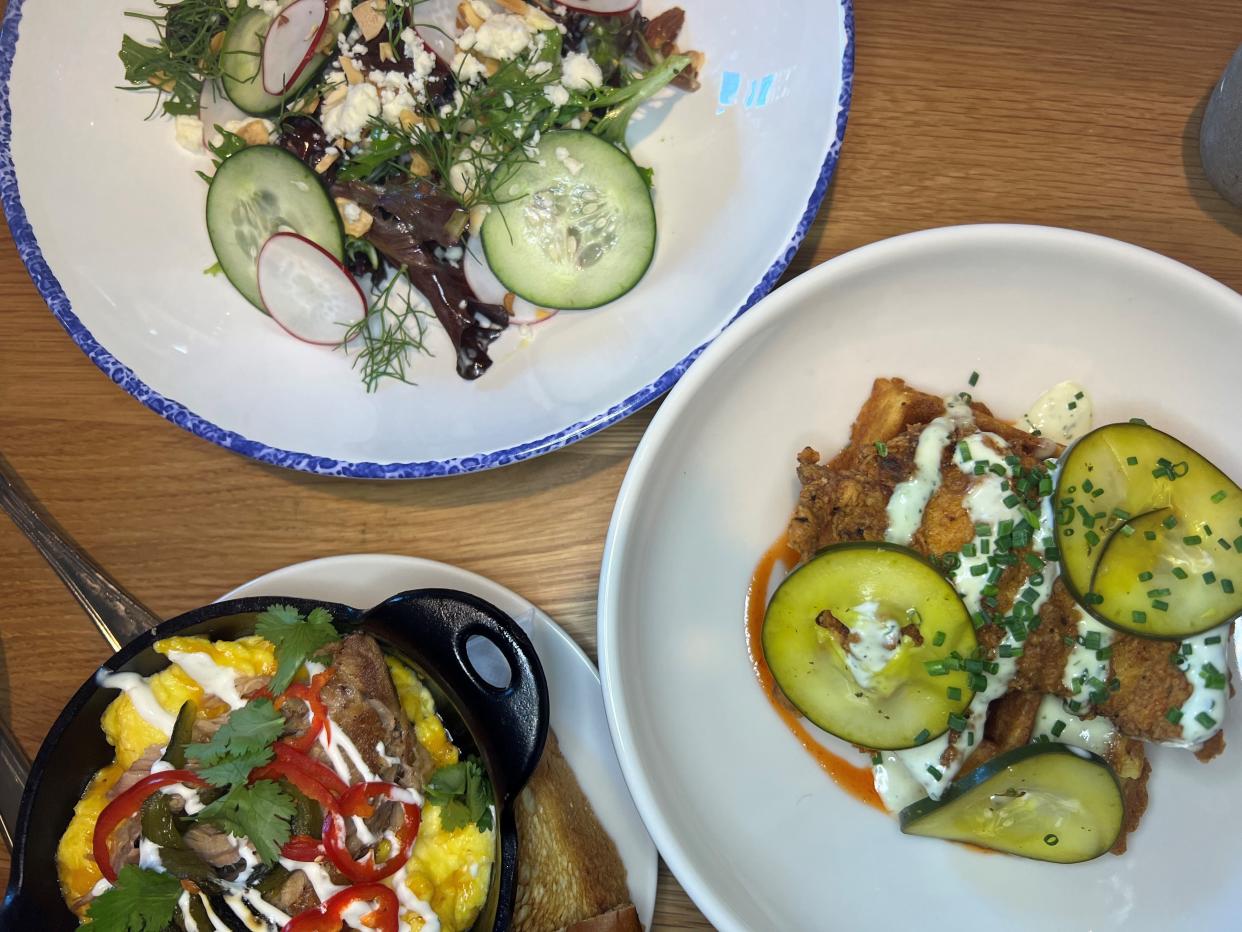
(577, 708)
(741, 167)
(746, 820)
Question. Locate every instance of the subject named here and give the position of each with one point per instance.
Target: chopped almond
(419, 166)
(386, 53)
(254, 133)
(217, 42)
(352, 74)
(369, 19)
(467, 12)
(336, 96)
(328, 160)
(163, 82)
(408, 119)
(355, 220)
(508, 302)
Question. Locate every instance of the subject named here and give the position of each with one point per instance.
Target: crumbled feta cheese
(508, 100)
(503, 37)
(467, 38)
(350, 211)
(416, 50)
(270, 7)
(342, 44)
(572, 165)
(235, 126)
(396, 93)
(556, 94)
(345, 8)
(469, 70)
(539, 68)
(481, 9)
(351, 114)
(189, 130)
(579, 72)
(231, 4)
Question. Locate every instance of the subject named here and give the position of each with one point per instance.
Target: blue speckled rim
(52, 292)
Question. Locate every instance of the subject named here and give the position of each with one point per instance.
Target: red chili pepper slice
(310, 787)
(302, 848)
(356, 802)
(309, 693)
(330, 916)
(294, 759)
(127, 805)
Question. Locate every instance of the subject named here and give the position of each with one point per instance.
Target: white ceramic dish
(745, 818)
(107, 214)
(577, 713)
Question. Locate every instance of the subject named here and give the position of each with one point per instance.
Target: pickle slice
(863, 638)
(1049, 802)
(1148, 531)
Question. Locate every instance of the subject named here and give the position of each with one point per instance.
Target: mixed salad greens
(380, 162)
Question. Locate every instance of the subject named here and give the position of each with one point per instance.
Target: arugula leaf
(260, 813)
(295, 638)
(463, 793)
(139, 901)
(625, 100)
(243, 743)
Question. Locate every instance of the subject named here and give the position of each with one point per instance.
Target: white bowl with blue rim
(107, 214)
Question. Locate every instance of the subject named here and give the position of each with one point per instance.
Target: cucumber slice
(242, 59)
(1146, 529)
(1048, 802)
(874, 695)
(576, 227)
(257, 192)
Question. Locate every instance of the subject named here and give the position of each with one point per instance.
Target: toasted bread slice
(569, 869)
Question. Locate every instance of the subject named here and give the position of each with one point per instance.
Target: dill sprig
(183, 57)
(394, 329)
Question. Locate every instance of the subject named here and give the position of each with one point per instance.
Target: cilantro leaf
(295, 638)
(260, 813)
(463, 793)
(139, 901)
(243, 742)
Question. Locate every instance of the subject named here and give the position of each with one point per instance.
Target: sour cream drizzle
(1053, 722)
(1196, 654)
(1084, 663)
(219, 681)
(410, 903)
(909, 500)
(140, 695)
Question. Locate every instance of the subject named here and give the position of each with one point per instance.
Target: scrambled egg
(450, 870)
(131, 735)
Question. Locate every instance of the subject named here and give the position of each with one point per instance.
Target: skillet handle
(14, 771)
(439, 623)
(118, 615)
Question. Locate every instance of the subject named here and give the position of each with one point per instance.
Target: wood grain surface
(1055, 112)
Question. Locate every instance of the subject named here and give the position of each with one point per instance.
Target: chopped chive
(1087, 486)
(938, 639)
(1097, 493)
(1144, 576)
(1092, 538)
(1140, 618)
(1192, 539)
(1057, 727)
(881, 448)
(936, 667)
(876, 760)
(983, 530)
(1127, 530)
(1009, 501)
(957, 722)
(1104, 653)
(980, 467)
(1091, 640)
(1179, 572)
(1078, 396)
(1214, 639)
(1072, 405)
(1160, 606)
(1157, 593)
(1227, 586)
(1132, 460)
(1149, 535)
(977, 682)
(963, 449)
(1051, 840)
(1170, 522)
(969, 550)
(1219, 496)
(1205, 720)
(1212, 678)
(922, 736)
(970, 739)
(974, 379)
(1138, 420)
(1173, 716)
(935, 774)
(1237, 542)
(954, 693)
(1209, 577)
(978, 569)
(1223, 543)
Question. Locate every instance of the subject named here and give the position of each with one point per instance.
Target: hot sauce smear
(853, 779)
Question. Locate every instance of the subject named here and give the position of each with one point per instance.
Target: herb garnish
(139, 901)
(185, 54)
(297, 639)
(394, 328)
(463, 793)
(260, 813)
(243, 743)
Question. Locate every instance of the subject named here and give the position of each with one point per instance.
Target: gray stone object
(1220, 135)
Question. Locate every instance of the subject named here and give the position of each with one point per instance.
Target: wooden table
(1057, 112)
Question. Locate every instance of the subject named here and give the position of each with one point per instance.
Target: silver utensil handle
(119, 616)
(14, 769)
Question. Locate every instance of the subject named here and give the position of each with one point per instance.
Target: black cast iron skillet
(428, 628)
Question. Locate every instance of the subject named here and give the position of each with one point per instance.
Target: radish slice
(307, 291)
(488, 288)
(601, 7)
(435, 21)
(215, 109)
(291, 41)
